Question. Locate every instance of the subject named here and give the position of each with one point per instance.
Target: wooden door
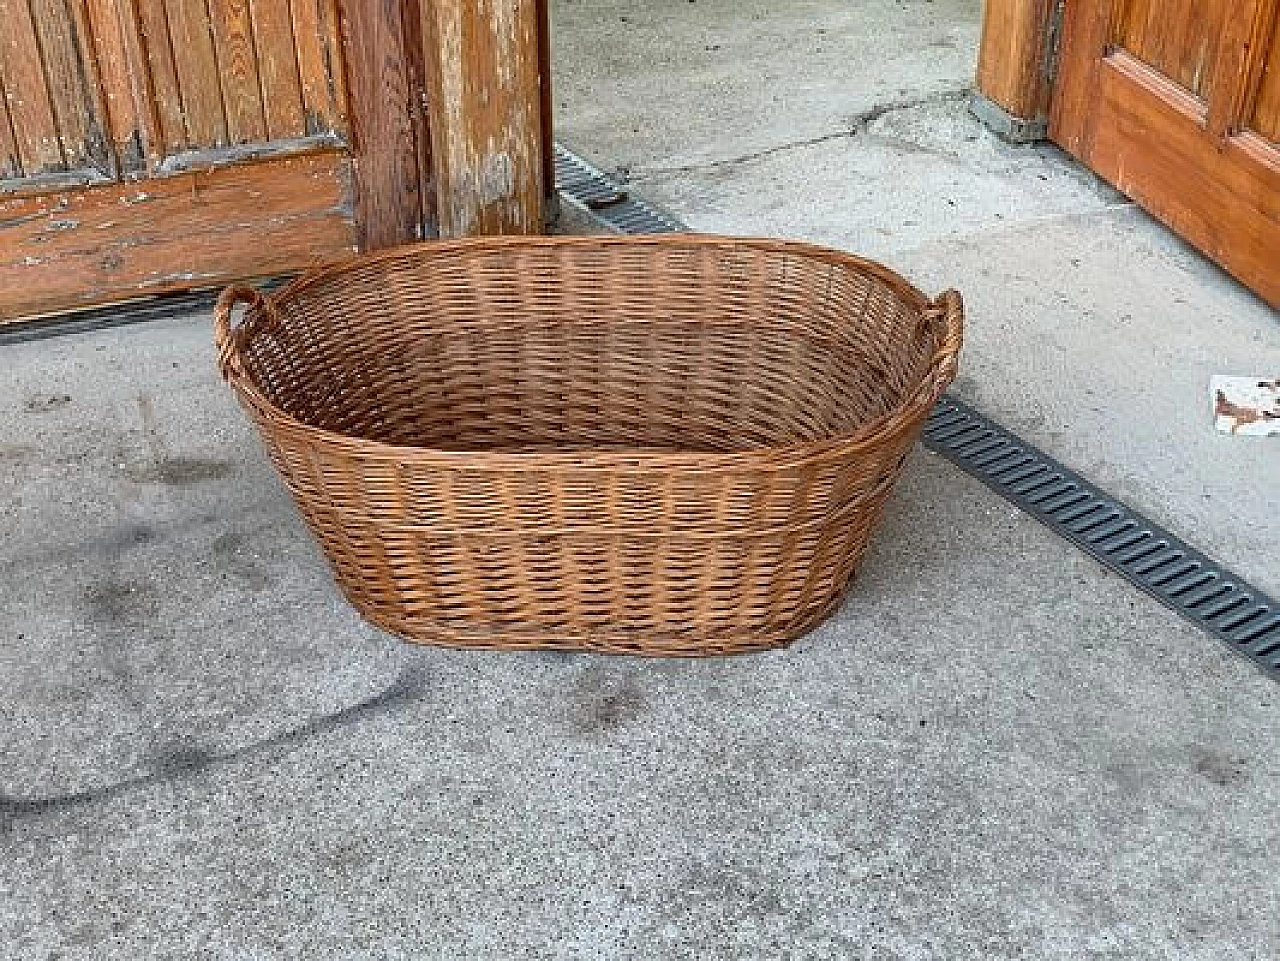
(148, 145)
(1177, 103)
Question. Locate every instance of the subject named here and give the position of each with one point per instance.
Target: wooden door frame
(394, 200)
(1014, 83)
(397, 64)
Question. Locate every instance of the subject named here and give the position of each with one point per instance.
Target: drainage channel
(1143, 553)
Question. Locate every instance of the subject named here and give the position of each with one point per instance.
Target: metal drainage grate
(1143, 553)
(608, 202)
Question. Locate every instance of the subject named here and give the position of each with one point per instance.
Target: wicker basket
(652, 445)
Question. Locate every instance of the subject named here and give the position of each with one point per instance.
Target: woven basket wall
(658, 445)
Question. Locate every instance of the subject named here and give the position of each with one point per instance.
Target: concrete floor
(996, 750)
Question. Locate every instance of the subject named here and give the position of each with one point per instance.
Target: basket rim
(909, 412)
(816, 251)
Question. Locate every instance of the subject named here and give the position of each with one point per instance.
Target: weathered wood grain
(197, 68)
(321, 70)
(70, 83)
(277, 59)
(1238, 69)
(415, 63)
(230, 120)
(108, 243)
(166, 90)
(238, 70)
(1086, 29)
(1179, 38)
(1264, 117)
(146, 113)
(484, 110)
(34, 124)
(388, 181)
(129, 120)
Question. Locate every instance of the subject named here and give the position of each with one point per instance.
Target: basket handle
(946, 316)
(223, 333)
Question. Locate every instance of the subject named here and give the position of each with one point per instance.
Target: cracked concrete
(858, 124)
(672, 83)
(995, 750)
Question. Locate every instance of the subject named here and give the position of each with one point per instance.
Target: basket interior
(700, 348)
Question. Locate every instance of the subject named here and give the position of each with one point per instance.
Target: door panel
(53, 110)
(1265, 118)
(196, 85)
(277, 59)
(148, 145)
(247, 74)
(238, 71)
(321, 76)
(71, 84)
(1173, 36)
(114, 42)
(180, 76)
(1171, 102)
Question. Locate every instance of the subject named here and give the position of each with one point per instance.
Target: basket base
(604, 640)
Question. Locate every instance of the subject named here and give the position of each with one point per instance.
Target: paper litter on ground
(1246, 405)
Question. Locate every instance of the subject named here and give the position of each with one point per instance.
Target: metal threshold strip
(156, 307)
(1143, 553)
(112, 315)
(1182, 578)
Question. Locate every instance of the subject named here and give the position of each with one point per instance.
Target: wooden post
(381, 51)
(484, 108)
(1015, 65)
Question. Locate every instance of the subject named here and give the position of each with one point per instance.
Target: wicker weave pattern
(658, 445)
